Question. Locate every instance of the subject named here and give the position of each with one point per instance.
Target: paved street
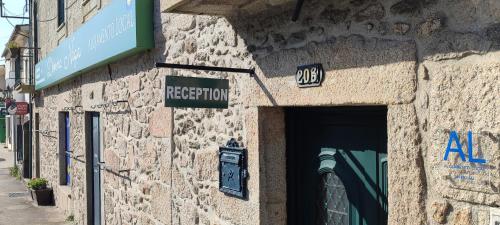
(16, 207)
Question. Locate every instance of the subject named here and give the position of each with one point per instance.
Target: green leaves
(38, 183)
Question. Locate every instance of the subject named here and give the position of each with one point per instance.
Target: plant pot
(43, 197)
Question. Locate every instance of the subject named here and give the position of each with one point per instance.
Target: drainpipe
(30, 102)
(31, 83)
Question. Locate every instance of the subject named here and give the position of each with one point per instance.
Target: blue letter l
(469, 146)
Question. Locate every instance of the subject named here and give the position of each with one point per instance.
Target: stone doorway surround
(405, 165)
(359, 72)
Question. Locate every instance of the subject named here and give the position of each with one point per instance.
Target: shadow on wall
(348, 34)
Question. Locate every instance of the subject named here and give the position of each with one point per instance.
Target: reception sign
(194, 92)
(122, 28)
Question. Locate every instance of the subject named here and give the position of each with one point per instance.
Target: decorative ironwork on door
(333, 202)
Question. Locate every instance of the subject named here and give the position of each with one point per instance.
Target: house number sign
(309, 75)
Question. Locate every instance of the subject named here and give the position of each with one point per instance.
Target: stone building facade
(16, 76)
(432, 66)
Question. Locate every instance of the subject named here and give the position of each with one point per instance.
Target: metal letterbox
(233, 170)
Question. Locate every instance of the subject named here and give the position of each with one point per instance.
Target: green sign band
(192, 92)
(121, 29)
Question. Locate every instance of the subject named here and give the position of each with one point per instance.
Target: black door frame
(90, 167)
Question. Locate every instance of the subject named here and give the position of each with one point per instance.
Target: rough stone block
(160, 122)
(183, 22)
(92, 94)
(408, 184)
(374, 11)
(429, 26)
(273, 147)
(454, 45)
(356, 71)
(188, 214)
(405, 7)
(112, 160)
(464, 97)
(135, 130)
(276, 213)
(134, 83)
(334, 14)
(161, 204)
(463, 217)
(233, 209)
(400, 28)
(148, 156)
(206, 165)
(180, 186)
(165, 161)
(441, 211)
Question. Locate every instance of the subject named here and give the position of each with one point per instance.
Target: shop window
(17, 69)
(60, 12)
(64, 149)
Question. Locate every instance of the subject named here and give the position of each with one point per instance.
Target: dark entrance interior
(26, 151)
(37, 145)
(337, 166)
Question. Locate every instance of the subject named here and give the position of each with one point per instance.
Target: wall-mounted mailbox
(233, 170)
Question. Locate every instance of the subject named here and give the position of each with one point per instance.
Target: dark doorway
(26, 151)
(37, 145)
(2, 129)
(19, 142)
(93, 136)
(337, 166)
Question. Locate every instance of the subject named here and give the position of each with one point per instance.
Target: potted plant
(40, 193)
(12, 45)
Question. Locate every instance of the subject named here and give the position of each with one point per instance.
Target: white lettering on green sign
(196, 93)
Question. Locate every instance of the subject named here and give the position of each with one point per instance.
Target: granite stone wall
(435, 64)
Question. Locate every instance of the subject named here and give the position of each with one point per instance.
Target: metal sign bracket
(251, 72)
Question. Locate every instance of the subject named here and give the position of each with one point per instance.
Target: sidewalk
(16, 207)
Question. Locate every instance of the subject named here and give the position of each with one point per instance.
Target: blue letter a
(454, 138)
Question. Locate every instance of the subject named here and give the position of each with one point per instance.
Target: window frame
(17, 69)
(61, 13)
(64, 154)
